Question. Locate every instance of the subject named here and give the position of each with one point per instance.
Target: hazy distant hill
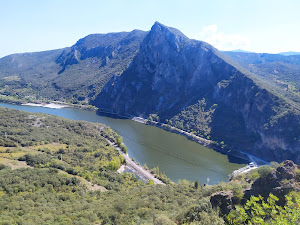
(240, 50)
(289, 53)
(282, 71)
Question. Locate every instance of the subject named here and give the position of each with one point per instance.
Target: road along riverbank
(137, 169)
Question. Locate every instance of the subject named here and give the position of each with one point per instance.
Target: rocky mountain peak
(161, 34)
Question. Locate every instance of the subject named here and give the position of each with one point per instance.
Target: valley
(239, 101)
(76, 148)
(175, 155)
(56, 170)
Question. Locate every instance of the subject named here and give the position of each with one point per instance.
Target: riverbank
(207, 143)
(140, 171)
(163, 152)
(243, 157)
(46, 104)
(50, 105)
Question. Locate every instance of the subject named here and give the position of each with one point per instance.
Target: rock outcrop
(225, 200)
(279, 182)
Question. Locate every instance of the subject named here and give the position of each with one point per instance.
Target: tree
(196, 185)
(258, 211)
(163, 220)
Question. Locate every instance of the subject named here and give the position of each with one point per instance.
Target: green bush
(2, 166)
(263, 171)
(258, 211)
(274, 164)
(254, 175)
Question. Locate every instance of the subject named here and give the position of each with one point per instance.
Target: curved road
(138, 170)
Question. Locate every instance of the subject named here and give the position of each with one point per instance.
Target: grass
(15, 152)
(13, 164)
(53, 147)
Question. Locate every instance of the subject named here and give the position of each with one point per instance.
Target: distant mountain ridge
(289, 53)
(282, 71)
(280, 53)
(240, 50)
(76, 72)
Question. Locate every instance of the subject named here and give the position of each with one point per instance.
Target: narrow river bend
(175, 155)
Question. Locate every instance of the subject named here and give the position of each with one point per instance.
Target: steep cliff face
(172, 76)
(275, 124)
(169, 72)
(93, 60)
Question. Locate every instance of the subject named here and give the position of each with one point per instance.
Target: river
(175, 155)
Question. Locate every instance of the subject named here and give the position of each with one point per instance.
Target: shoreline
(140, 171)
(202, 141)
(48, 104)
(246, 157)
(137, 169)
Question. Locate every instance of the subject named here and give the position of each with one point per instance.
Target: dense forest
(58, 171)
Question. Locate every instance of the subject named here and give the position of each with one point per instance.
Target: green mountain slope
(281, 71)
(78, 72)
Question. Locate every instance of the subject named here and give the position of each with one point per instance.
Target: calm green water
(174, 154)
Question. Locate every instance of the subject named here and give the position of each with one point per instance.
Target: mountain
(76, 72)
(240, 50)
(289, 53)
(281, 71)
(191, 85)
(241, 101)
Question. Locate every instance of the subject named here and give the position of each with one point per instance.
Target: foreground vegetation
(58, 171)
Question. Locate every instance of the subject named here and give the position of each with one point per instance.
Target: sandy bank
(50, 105)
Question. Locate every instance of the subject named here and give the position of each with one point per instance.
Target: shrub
(274, 164)
(258, 211)
(163, 220)
(264, 171)
(254, 175)
(2, 166)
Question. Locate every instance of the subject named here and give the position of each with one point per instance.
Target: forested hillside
(73, 74)
(282, 71)
(58, 171)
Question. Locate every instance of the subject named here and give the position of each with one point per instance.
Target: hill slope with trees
(68, 164)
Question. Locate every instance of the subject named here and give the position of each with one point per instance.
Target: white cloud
(213, 36)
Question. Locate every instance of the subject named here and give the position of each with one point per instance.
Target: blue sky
(255, 25)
